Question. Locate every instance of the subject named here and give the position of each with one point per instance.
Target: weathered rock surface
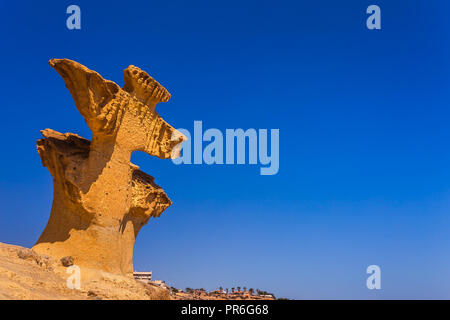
(101, 200)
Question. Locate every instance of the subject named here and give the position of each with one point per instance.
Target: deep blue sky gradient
(363, 116)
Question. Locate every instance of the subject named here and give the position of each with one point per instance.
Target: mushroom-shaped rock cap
(126, 114)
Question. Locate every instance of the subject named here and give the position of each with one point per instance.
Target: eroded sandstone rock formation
(101, 200)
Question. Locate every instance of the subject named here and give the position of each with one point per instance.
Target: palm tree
(239, 289)
(232, 290)
(220, 290)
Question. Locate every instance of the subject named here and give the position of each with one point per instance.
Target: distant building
(145, 276)
(161, 283)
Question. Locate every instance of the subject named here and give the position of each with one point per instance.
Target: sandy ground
(25, 274)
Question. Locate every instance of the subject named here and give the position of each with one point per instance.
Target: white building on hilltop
(145, 276)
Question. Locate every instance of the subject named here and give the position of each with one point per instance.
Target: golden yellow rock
(101, 200)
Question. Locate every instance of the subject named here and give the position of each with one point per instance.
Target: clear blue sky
(364, 137)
